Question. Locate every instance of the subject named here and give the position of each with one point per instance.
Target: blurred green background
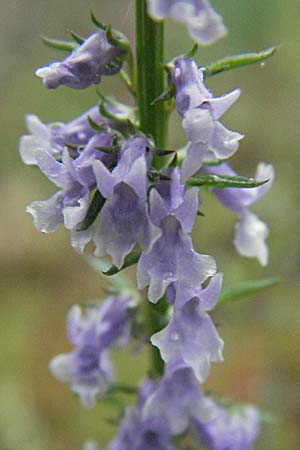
(41, 277)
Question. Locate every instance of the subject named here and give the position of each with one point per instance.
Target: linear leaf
(93, 211)
(130, 259)
(235, 61)
(57, 44)
(245, 289)
(224, 181)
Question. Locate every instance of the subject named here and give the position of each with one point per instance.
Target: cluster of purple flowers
(106, 157)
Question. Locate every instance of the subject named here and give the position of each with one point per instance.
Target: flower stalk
(153, 121)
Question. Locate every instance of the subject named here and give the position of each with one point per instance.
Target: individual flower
(201, 112)
(234, 428)
(138, 432)
(203, 22)
(177, 398)
(87, 368)
(124, 219)
(164, 409)
(76, 179)
(85, 65)
(191, 334)
(172, 257)
(54, 137)
(250, 231)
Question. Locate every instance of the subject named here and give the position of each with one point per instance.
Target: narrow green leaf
(119, 283)
(117, 39)
(167, 95)
(97, 22)
(95, 126)
(93, 211)
(192, 52)
(127, 81)
(130, 260)
(65, 46)
(76, 37)
(224, 181)
(122, 388)
(235, 61)
(245, 289)
(160, 152)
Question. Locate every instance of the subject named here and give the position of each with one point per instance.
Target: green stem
(153, 122)
(150, 74)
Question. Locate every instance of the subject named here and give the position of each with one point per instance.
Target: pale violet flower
(250, 232)
(177, 398)
(139, 432)
(235, 428)
(191, 334)
(76, 179)
(87, 369)
(164, 409)
(85, 65)
(124, 219)
(201, 112)
(250, 236)
(203, 22)
(53, 137)
(172, 257)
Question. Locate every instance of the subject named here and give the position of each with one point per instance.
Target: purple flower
(52, 138)
(203, 22)
(250, 231)
(172, 257)
(85, 65)
(87, 368)
(124, 219)
(139, 432)
(177, 398)
(201, 111)
(164, 410)
(76, 179)
(191, 334)
(229, 429)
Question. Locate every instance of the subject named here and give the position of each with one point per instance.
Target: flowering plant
(121, 189)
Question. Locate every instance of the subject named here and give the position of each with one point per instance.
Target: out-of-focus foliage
(41, 277)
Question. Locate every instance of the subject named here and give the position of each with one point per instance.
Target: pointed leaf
(57, 44)
(117, 39)
(97, 22)
(93, 211)
(120, 282)
(235, 61)
(224, 181)
(76, 37)
(122, 388)
(167, 95)
(245, 289)
(130, 260)
(95, 126)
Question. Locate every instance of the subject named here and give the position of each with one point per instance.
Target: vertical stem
(150, 74)
(153, 121)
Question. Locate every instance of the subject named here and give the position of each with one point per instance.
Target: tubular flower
(201, 112)
(205, 25)
(191, 334)
(172, 257)
(85, 65)
(124, 219)
(250, 231)
(235, 429)
(87, 368)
